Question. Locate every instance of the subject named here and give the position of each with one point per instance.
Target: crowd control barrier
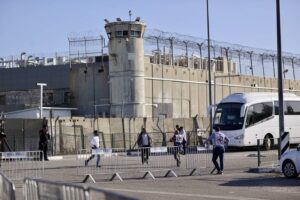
(38, 189)
(21, 164)
(7, 188)
(146, 161)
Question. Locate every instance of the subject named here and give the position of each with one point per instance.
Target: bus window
(293, 107)
(277, 108)
(227, 116)
(258, 112)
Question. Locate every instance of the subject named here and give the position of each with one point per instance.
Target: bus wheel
(268, 142)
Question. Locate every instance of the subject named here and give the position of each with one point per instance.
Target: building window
(2, 100)
(67, 98)
(135, 33)
(125, 33)
(119, 33)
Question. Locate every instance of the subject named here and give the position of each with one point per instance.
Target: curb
(265, 170)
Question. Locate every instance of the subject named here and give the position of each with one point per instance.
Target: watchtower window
(136, 33)
(125, 33)
(119, 33)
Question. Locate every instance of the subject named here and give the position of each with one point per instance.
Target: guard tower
(126, 67)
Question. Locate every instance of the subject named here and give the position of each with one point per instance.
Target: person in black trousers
(43, 143)
(144, 141)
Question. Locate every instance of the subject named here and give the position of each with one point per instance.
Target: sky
(43, 26)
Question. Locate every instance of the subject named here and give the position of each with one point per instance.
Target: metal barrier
(198, 159)
(7, 188)
(265, 157)
(37, 189)
(21, 164)
(144, 160)
(270, 157)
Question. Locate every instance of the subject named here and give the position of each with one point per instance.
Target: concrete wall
(88, 84)
(182, 92)
(71, 134)
(176, 92)
(24, 78)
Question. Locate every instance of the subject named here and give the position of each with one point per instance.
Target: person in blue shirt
(219, 140)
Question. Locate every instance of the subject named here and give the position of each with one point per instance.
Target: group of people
(144, 141)
(179, 139)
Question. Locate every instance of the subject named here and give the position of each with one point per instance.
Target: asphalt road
(236, 182)
(231, 186)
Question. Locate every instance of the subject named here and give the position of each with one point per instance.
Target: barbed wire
(183, 42)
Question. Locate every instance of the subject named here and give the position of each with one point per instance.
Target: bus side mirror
(243, 111)
(298, 147)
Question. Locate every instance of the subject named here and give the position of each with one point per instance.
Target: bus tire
(268, 142)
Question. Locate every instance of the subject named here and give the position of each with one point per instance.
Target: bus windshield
(227, 116)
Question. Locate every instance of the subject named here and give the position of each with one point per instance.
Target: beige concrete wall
(115, 132)
(182, 92)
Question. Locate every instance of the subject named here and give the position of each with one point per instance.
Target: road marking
(183, 195)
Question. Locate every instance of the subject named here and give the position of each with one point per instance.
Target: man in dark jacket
(43, 143)
(144, 142)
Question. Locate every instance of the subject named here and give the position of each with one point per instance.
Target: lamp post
(209, 67)
(280, 85)
(41, 98)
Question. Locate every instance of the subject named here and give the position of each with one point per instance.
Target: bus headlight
(239, 137)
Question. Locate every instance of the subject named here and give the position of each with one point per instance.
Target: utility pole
(209, 68)
(280, 84)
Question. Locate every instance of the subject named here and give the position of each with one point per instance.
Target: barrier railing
(38, 189)
(267, 157)
(21, 164)
(143, 160)
(7, 188)
(270, 157)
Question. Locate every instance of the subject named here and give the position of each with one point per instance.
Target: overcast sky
(42, 26)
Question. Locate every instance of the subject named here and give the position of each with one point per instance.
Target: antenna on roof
(129, 15)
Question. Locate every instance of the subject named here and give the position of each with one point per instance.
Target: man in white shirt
(177, 139)
(182, 132)
(95, 145)
(219, 140)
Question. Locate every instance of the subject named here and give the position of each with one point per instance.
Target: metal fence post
(258, 153)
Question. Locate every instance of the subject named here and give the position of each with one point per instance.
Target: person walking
(95, 145)
(219, 140)
(144, 142)
(43, 142)
(177, 139)
(182, 132)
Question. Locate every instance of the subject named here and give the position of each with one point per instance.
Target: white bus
(246, 117)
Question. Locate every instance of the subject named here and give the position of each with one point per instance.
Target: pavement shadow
(263, 181)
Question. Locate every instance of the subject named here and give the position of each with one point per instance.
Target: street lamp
(41, 98)
(209, 67)
(280, 84)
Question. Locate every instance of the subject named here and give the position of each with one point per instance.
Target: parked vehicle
(247, 117)
(290, 163)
